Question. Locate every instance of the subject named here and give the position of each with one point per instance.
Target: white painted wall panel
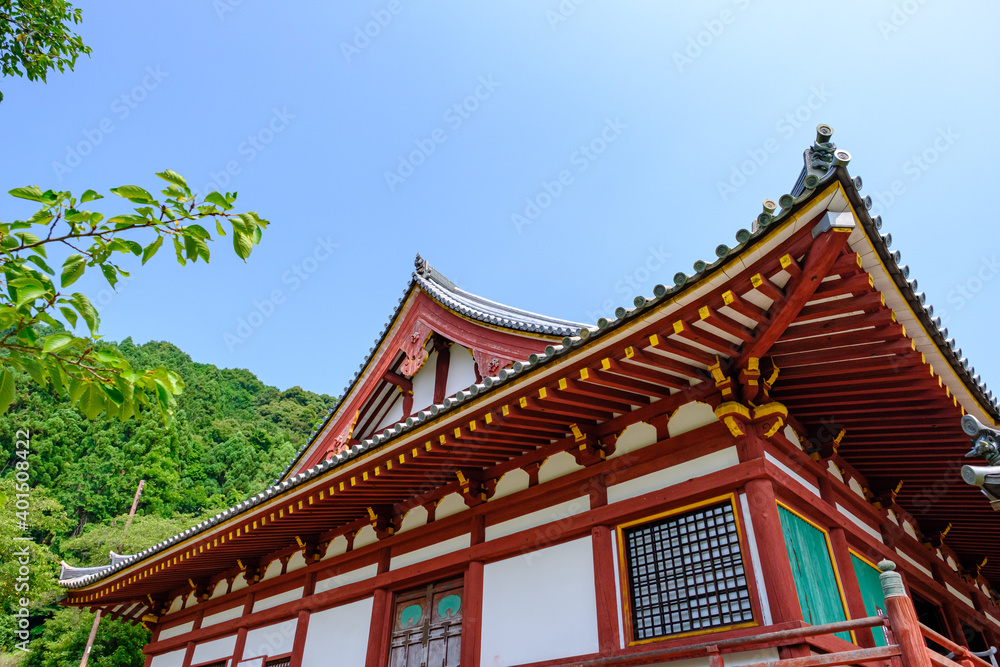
(338, 636)
(344, 578)
(433, 551)
(276, 639)
(682, 472)
(423, 383)
(167, 633)
(275, 600)
(539, 518)
(859, 523)
(172, 659)
(540, 606)
(216, 649)
(461, 370)
(791, 473)
(223, 616)
(689, 417)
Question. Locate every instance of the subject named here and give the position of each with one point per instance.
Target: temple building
(714, 475)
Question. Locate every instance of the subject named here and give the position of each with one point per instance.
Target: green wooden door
(871, 593)
(812, 568)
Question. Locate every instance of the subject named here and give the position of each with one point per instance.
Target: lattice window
(686, 573)
(280, 662)
(220, 663)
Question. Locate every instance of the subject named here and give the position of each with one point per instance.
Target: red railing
(904, 633)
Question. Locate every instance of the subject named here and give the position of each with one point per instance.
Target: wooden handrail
(959, 651)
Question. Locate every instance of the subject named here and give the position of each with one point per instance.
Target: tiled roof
(824, 164)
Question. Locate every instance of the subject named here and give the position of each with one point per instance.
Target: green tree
(95, 377)
(36, 38)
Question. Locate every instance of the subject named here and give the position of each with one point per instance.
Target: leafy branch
(98, 379)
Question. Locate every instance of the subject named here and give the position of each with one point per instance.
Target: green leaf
(219, 228)
(127, 220)
(243, 244)
(6, 388)
(197, 231)
(134, 194)
(86, 310)
(173, 177)
(151, 249)
(28, 293)
(34, 370)
(179, 249)
(90, 195)
(40, 263)
(73, 268)
(69, 315)
(109, 274)
(218, 200)
(32, 192)
(57, 341)
(27, 238)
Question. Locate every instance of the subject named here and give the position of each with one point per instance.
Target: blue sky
(369, 131)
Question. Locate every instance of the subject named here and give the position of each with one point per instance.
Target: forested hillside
(230, 436)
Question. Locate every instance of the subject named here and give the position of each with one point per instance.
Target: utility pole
(97, 618)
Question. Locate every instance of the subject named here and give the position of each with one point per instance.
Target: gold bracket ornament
(770, 417)
(722, 381)
(735, 416)
(475, 490)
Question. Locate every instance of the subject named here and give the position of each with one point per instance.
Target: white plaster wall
(175, 606)
(636, 436)
(276, 639)
(423, 383)
(275, 600)
(273, 570)
(395, 413)
(539, 518)
(365, 537)
(214, 650)
(511, 483)
(661, 479)
(914, 563)
(793, 437)
(297, 561)
(337, 547)
(172, 659)
(343, 578)
(453, 503)
(690, 416)
(540, 606)
(859, 523)
(791, 473)
(960, 595)
(338, 636)
(461, 370)
(222, 616)
(832, 467)
(433, 551)
(238, 583)
(167, 633)
(415, 518)
(556, 466)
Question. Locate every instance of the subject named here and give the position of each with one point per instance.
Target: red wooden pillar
(951, 617)
(845, 568)
(608, 635)
(188, 654)
(903, 618)
(378, 631)
(472, 628)
(773, 555)
(299, 643)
